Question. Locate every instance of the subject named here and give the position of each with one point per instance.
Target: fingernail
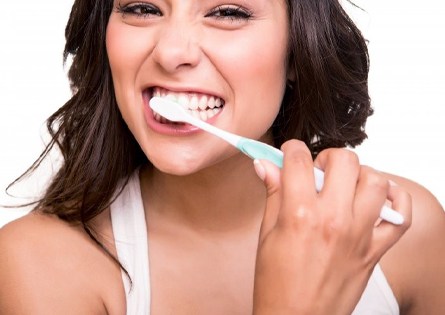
(259, 169)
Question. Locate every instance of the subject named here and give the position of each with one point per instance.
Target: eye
(230, 12)
(140, 9)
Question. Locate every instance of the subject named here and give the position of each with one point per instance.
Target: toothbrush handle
(259, 150)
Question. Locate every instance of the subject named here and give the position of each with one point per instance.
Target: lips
(201, 106)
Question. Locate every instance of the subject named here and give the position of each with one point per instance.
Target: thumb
(269, 173)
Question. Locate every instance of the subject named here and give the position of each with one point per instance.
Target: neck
(226, 197)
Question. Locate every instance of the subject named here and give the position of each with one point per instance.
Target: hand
(317, 251)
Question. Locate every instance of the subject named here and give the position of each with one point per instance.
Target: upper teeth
(190, 101)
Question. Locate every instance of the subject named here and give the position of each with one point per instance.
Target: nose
(177, 47)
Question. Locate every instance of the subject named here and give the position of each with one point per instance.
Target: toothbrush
(252, 148)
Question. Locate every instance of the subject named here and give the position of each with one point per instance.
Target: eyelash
(142, 10)
(230, 12)
(222, 12)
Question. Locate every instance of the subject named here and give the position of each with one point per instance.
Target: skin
(208, 54)
(212, 249)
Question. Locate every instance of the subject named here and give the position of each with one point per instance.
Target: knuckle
(335, 226)
(347, 157)
(341, 155)
(302, 216)
(295, 146)
(299, 159)
(296, 152)
(272, 190)
(373, 179)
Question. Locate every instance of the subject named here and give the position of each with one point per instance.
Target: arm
(415, 266)
(47, 267)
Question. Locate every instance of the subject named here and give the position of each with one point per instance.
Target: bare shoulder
(49, 266)
(415, 266)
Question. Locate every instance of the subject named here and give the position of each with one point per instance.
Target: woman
(221, 236)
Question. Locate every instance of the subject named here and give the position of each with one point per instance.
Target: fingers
(371, 194)
(342, 170)
(298, 183)
(270, 175)
(387, 234)
(290, 191)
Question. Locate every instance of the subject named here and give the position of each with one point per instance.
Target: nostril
(174, 53)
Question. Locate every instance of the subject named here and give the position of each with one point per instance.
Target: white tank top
(130, 234)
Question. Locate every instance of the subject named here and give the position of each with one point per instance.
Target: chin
(175, 170)
(178, 166)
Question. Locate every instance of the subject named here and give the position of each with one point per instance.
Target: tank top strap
(130, 235)
(378, 297)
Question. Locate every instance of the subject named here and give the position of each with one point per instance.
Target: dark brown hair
(326, 105)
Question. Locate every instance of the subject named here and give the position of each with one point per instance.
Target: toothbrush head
(169, 109)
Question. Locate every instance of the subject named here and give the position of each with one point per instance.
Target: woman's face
(224, 60)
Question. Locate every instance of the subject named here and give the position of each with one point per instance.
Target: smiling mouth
(199, 105)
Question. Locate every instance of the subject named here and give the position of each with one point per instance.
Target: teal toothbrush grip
(261, 151)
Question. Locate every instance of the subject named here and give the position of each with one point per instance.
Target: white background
(407, 86)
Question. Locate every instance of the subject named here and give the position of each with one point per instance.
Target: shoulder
(415, 266)
(48, 265)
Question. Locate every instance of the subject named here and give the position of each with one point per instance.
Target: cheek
(258, 56)
(126, 50)
(255, 59)
(118, 57)
(125, 54)
(254, 66)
